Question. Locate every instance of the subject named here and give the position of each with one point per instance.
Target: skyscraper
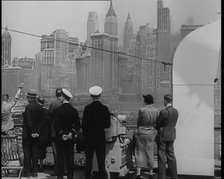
(163, 72)
(163, 30)
(147, 50)
(111, 24)
(57, 68)
(100, 66)
(6, 48)
(128, 33)
(92, 26)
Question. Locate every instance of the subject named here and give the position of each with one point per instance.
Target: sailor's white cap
(66, 93)
(95, 90)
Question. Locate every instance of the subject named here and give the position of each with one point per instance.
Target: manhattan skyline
(40, 17)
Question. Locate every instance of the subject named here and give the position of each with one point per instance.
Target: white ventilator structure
(194, 70)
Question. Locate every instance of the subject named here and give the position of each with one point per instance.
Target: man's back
(96, 118)
(33, 117)
(167, 120)
(66, 118)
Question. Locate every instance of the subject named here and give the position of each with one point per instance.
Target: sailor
(67, 123)
(96, 117)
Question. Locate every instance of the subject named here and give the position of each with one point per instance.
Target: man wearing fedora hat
(96, 117)
(144, 144)
(165, 126)
(67, 123)
(32, 118)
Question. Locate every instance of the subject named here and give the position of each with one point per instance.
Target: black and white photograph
(111, 89)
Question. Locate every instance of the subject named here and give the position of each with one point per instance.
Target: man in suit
(165, 125)
(32, 118)
(96, 117)
(55, 104)
(67, 123)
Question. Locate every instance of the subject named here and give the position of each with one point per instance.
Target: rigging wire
(86, 46)
(120, 53)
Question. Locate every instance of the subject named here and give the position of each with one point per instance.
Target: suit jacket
(66, 120)
(32, 118)
(96, 117)
(45, 128)
(55, 104)
(166, 124)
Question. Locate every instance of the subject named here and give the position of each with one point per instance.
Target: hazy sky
(43, 17)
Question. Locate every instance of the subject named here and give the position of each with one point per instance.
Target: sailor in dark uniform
(96, 117)
(67, 123)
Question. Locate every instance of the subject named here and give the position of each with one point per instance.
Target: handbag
(80, 142)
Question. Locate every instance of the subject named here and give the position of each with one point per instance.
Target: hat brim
(31, 96)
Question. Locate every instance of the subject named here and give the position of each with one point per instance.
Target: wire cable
(86, 46)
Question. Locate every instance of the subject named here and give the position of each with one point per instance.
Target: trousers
(65, 154)
(31, 155)
(100, 150)
(166, 153)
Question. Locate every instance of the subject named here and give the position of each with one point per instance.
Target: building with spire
(111, 24)
(128, 33)
(6, 47)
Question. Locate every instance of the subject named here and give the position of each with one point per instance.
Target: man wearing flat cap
(67, 124)
(165, 126)
(32, 118)
(96, 117)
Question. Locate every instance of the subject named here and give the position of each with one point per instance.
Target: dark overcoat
(32, 119)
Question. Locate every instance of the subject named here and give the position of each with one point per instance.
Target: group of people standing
(58, 127)
(156, 125)
(61, 122)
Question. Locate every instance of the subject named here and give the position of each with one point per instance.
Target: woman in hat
(144, 146)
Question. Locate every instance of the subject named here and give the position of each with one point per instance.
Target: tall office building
(111, 24)
(100, 64)
(83, 73)
(147, 50)
(6, 47)
(163, 30)
(92, 25)
(163, 72)
(10, 80)
(57, 66)
(128, 33)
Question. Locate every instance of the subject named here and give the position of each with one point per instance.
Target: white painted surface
(196, 62)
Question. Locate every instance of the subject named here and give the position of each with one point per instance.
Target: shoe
(34, 175)
(139, 177)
